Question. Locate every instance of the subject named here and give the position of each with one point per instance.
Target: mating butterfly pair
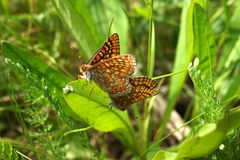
(112, 73)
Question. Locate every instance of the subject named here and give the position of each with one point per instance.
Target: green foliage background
(38, 120)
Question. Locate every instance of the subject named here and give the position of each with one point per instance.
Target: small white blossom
(67, 89)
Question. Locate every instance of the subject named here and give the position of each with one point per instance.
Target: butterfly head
(85, 72)
(83, 68)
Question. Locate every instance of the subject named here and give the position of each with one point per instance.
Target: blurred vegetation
(41, 42)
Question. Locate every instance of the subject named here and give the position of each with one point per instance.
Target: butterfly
(108, 68)
(141, 88)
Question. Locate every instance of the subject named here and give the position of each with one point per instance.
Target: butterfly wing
(137, 93)
(111, 75)
(143, 81)
(109, 49)
(119, 66)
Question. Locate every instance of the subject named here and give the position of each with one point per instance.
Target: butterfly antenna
(110, 26)
(75, 49)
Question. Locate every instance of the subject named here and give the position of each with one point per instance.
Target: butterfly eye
(84, 68)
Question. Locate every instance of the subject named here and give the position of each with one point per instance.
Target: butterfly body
(86, 73)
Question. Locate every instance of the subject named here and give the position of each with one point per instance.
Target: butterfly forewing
(109, 49)
(119, 66)
(112, 75)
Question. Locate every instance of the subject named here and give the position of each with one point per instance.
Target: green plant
(63, 118)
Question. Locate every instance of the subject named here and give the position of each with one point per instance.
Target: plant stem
(150, 67)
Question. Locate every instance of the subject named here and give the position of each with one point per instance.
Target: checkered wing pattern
(110, 48)
(143, 81)
(111, 71)
(111, 74)
(119, 66)
(139, 91)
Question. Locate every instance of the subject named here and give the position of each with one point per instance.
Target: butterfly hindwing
(141, 88)
(143, 81)
(137, 93)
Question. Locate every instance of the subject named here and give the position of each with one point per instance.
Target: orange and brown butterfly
(142, 88)
(108, 68)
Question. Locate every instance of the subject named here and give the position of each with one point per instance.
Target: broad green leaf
(204, 41)
(205, 143)
(93, 106)
(164, 155)
(210, 136)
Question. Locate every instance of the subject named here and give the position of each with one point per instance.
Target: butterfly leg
(81, 77)
(110, 106)
(91, 92)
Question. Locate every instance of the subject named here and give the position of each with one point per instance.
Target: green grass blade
(232, 90)
(183, 57)
(231, 39)
(106, 12)
(151, 40)
(114, 10)
(89, 22)
(227, 81)
(77, 18)
(151, 49)
(97, 9)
